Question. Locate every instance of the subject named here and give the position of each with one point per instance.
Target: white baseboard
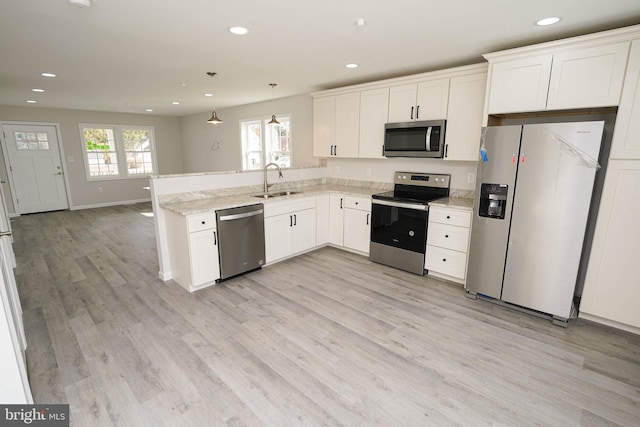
(104, 205)
(612, 323)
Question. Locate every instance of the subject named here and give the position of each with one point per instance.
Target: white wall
(197, 135)
(381, 170)
(84, 192)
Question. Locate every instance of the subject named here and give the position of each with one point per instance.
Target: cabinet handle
(411, 113)
(335, 150)
(204, 222)
(417, 112)
(368, 219)
(290, 220)
(341, 199)
(444, 260)
(448, 216)
(446, 149)
(215, 239)
(295, 219)
(446, 236)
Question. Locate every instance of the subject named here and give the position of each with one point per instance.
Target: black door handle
(368, 219)
(215, 239)
(411, 113)
(417, 112)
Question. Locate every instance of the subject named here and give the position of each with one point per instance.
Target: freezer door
(554, 184)
(489, 235)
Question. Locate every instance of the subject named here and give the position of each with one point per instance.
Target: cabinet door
(347, 125)
(402, 103)
(277, 237)
(464, 117)
(520, 85)
(324, 111)
(626, 136)
(611, 289)
(304, 230)
(336, 219)
(590, 77)
(432, 100)
(357, 229)
(446, 261)
(205, 264)
(374, 110)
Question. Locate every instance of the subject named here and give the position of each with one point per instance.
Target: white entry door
(36, 168)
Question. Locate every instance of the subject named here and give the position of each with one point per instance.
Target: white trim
(611, 323)
(121, 153)
(104, 205)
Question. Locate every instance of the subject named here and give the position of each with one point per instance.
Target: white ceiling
(130, 55)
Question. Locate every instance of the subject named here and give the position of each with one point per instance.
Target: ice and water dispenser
(493, 200)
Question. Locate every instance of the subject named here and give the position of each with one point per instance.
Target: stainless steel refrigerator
(533, 192)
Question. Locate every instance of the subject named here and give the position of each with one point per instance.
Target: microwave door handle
(427, 140)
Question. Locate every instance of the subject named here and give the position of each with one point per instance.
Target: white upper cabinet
(374, 110)
(520, 85)
(324, 113)
(559, 79)
(426, 100)
(336, 126)
(464, 119)
(626, 136)
(589, 77)
(347, 132)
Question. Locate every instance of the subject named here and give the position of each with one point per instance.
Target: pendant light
(273, 121)
(214, 116)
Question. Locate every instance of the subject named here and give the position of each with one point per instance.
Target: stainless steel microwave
(414, 139)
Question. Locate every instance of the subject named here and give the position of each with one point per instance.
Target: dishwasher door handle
(241, 215)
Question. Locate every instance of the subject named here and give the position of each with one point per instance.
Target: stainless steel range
(399, 219)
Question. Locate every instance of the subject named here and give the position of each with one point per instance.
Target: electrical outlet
(471, 178)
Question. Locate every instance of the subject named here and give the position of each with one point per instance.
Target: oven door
(400, 225)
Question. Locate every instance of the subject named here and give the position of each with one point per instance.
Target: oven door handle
(414, 206)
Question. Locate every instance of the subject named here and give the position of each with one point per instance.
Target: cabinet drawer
(201, 222)
(359, 203)
(448, 236)
(288, 206)
(446, 261)
(450, 216)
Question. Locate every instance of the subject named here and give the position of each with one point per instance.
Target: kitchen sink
(276, 194)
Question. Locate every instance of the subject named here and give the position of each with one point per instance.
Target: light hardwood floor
(327, 338)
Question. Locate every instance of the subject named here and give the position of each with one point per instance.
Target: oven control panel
(422, 179)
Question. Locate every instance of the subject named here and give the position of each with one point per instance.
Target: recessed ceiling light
(148, 110)
(548, 21)
(176, 102)
(80, 3)
(208, 94)
(30, 101)
(37, 90)
(47, 74)
(352, 65)
(238, 31)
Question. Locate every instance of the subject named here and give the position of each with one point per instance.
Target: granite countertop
(210, 204)
(454, 203)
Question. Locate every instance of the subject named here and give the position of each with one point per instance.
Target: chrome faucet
(266, 185)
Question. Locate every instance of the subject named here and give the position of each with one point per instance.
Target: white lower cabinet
(612, 289)
(448, 243)
(194, 256)
(357, 223)
(336, 219)
(289, 228)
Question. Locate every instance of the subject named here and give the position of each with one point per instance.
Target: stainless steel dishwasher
(241, 239)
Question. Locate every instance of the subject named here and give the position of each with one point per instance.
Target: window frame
(120, 151)
(263, 138)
